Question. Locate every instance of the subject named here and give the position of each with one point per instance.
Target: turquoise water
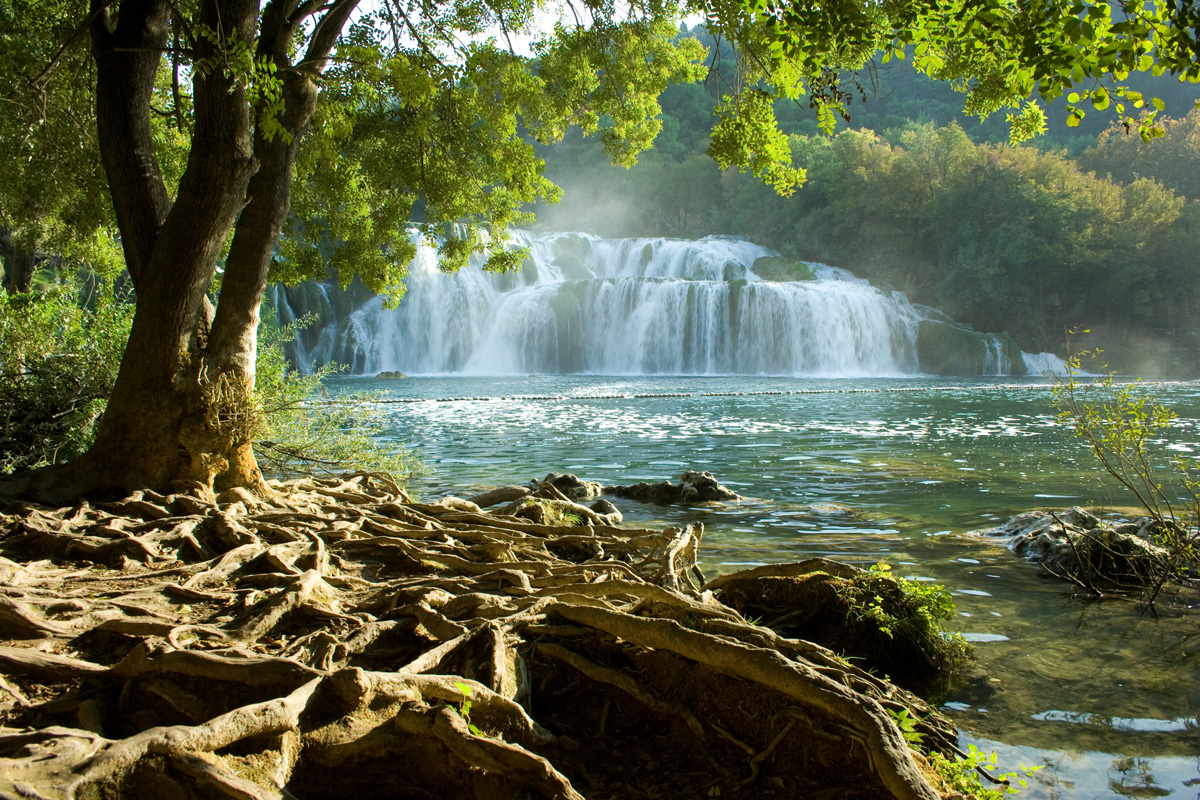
(1105, 698)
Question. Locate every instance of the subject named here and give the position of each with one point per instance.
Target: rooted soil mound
(861, 614)
(340, 641)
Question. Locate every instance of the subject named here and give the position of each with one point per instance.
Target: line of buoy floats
(667, 395)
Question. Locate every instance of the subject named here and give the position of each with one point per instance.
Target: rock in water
(860, 614)
(571, 486)
(1079, 543)
(693, 487)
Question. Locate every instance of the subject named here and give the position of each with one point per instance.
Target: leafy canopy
(1002, 53)
(427, 129)
(429, 113)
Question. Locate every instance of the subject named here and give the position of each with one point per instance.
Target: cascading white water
(995, 362)
(630, 306)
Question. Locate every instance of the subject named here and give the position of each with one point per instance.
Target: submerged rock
(1078, 544)
(693, 487)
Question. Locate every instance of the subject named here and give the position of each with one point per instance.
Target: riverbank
(310, 643)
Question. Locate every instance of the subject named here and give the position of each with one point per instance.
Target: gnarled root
(339, 640)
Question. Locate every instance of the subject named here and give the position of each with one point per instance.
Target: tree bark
(20, 262)
(127, 57)
(159, 430)
(233, 343)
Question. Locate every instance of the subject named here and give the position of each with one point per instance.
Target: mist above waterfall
(587, 305)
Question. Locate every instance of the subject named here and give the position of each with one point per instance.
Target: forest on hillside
(1086, 227)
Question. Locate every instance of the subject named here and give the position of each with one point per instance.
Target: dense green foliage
(54, 206)
(1002, 54)
(59, 354)
(910, 610)
(438, 134)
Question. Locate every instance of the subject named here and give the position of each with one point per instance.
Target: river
(1103, 697)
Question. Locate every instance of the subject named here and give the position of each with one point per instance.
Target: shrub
(59, 356)
(303, 430)
(1125, 426)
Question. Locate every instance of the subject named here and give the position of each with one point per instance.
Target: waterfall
(995, 362)
(582, 304)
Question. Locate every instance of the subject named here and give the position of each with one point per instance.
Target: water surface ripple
(1106, 699)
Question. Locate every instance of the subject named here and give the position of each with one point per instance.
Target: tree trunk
(20, 262)
(162, 424)
(181, 416)
(233, 342)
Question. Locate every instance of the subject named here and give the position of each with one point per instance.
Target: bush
(59, 356)
(305, 431)
(1125, 428)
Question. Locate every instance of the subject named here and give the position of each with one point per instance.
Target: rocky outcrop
(781, 268)
(1078, 545)
(693, 487)
(866, 615)
(944, 348)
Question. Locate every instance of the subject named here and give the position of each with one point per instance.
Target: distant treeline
(1093, 229)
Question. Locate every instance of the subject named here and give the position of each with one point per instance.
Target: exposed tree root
(340, 640)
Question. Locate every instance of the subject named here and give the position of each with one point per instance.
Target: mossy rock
(1012, 352)
(944, 349)
(783, 269)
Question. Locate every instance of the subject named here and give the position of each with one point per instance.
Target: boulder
(860, 614)
(693, 487)
(608, 512)
(950, 349)
(1079, 545)
(781, 268)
